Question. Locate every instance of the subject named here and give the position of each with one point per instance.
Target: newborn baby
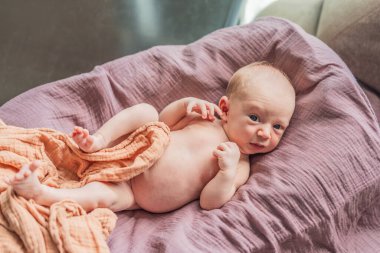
(207, 157)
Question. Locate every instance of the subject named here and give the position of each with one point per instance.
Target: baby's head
(257, 108)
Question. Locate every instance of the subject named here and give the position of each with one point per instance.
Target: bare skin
(206, 158)
(153, 190)
(25, 182)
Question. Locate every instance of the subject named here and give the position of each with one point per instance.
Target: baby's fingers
(203, 110)
(218, 153)
(218, 110)
(222, 146)
(197, 106)
(211, 112)
(190, 106)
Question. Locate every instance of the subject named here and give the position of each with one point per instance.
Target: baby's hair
(237, 79)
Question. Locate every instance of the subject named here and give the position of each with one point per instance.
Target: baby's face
(257, 118)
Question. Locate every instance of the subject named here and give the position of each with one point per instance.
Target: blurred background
(47, 40)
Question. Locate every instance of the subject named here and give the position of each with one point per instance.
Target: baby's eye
(277, 126)
(253, 117)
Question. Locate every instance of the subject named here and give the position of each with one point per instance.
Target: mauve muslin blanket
(317, 192)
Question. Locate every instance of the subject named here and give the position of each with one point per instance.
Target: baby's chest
(192, 154)
(195, 142)
(187, 152)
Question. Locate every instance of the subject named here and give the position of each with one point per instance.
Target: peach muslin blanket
(26, 226)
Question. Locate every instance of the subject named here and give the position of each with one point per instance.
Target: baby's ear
(224, 104)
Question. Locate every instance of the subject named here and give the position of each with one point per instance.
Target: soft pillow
(317, 192)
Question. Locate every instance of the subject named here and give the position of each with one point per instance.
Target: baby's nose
(264, 133)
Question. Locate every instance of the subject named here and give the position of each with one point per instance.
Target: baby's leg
(124, 122)
(117, 197)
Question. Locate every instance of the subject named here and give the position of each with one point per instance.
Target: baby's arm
(173, 112)
(177, 110)
(234, 172)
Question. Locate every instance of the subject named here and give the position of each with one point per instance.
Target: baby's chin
(253, 150)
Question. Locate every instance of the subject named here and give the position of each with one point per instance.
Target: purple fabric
(375, 102)
(317, 192)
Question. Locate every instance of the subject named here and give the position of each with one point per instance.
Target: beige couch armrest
(352, 29)
(304, 13)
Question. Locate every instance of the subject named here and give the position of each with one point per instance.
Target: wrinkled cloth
(65, 226)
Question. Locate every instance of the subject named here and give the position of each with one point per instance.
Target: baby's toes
(83, 142)
(89, 141)
(27, 173)
(85, 133)
(78, 138)
(19, 176)
(75, 131)
(8, 180)
(34, 165)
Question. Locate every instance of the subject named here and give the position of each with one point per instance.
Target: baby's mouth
(257, 145)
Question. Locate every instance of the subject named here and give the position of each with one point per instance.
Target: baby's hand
(228, 155)
(203, 107)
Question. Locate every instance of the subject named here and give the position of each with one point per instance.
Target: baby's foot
(86, 142)
(25, 182)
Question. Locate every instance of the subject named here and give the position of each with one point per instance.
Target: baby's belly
(176, 179)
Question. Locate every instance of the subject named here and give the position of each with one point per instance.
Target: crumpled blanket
(26, 226)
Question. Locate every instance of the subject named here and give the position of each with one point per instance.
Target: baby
(207, 157)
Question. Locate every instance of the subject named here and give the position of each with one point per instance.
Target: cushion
(317, 192)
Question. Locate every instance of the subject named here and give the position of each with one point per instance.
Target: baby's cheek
(274, 142)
